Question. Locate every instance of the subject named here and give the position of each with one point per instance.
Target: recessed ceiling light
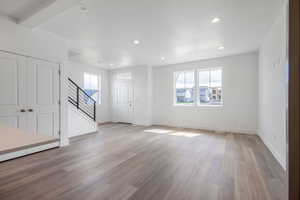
(136, 42)
(215, 20)
(111, 64)
(163, 58)
(221, 47)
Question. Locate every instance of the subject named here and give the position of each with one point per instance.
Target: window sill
(184, 105)
(210, 106)
(199, 106)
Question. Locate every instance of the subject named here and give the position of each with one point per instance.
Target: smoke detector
(83, 6)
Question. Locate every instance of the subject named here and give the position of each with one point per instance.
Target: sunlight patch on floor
(173, 132)
(186, 134)
(160, 131)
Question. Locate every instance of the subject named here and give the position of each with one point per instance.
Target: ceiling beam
(41, 16)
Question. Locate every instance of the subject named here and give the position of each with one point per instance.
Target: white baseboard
(83, 134)
(142, 124)
(277, 156)
(241, 131)
(31, 150)
(104, 123)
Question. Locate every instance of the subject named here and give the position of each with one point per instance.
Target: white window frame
(99, 100)
(197, 86)
(197, 92)
(174, 88)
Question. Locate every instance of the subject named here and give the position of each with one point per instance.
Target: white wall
(240, 90)
(273, 89)
(40, 44)
(76, 72)
(36, 43)
(142, 84)
(79, 123)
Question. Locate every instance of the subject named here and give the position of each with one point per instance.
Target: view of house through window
(92, 86)
(184, 88)
(210, 86)
(208, 83)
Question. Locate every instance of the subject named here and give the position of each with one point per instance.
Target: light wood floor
(8, 142)
(139, 163)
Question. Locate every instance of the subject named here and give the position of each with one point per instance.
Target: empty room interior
(144, 99)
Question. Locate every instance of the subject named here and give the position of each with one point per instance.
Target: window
(92, 86)
(210, 86)
(203, 87)
(184, 88)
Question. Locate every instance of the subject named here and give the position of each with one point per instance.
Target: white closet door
(12, 91)
(43, 97)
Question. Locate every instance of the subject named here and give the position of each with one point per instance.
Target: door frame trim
(294, 101)
(131, 114)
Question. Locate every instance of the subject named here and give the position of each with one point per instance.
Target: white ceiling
(179, 30)
(18, 9)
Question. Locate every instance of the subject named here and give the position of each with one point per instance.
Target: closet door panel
(43, 97)
(45, 87)
(12, 91)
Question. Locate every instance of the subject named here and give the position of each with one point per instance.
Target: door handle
(30, 110)
(22, 110)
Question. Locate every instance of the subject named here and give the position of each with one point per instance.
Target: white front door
(43, 97)
(13, 91)
(123, 98)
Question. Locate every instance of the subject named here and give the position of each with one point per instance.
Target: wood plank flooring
(124, 162)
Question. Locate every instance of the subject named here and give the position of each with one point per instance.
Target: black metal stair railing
(79, 98)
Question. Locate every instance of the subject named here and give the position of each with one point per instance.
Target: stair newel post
(77, 97)
(94, 111)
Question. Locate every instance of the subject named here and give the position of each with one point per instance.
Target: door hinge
(58, 132)
(59, 71)
(58, 102)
